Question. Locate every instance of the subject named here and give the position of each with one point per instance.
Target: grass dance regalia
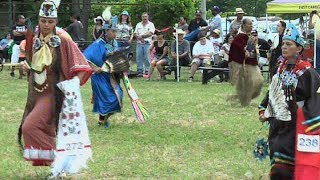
(57, 68)
(292, 108)
(110, 64)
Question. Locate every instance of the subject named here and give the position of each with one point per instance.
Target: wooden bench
(207, 74)
(210, 72)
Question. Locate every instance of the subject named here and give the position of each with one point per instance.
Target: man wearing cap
(215, 22)
(195, 27)
(236, 24)
(143, 32)
(264, 48)
(183, 50)
(197, 22)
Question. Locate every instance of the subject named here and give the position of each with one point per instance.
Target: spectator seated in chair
(161, 56)
(183, 51)
(202, 54)
(263, 47)
(4, 47)
(224, 55)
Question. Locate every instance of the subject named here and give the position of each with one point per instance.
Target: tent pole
(177, 53)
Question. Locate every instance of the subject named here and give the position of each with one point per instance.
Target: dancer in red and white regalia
(55, 58)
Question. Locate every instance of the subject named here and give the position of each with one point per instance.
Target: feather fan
(106, 15)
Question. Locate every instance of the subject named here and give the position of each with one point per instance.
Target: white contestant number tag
(308, 143)
(74, 148)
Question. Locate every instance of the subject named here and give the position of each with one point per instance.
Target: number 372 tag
(308, 143)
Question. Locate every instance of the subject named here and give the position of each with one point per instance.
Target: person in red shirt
(243, 61)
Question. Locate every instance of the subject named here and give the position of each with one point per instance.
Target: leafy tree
(251, 7)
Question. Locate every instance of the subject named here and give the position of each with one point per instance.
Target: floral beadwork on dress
(289, 78)
(70, 115)
(55, 41)
(37, 44)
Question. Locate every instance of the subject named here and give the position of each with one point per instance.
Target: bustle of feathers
(278, 106)
(56, 2)
(106, 15)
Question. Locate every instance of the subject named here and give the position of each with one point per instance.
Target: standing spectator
(215, 22)
(245, 73)
(4, 47)
(263, 47)
(161, 56)
(313, 19)
(224, 55)
(19, 33)
(202, 54)
(125, 31)
(143, 32)
(75, 28)
(22, 56)
(183, 24)
(236, 24)
(183, 51)
(276, 50)
(97, 31)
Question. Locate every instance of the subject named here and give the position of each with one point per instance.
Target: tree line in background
(164, 13)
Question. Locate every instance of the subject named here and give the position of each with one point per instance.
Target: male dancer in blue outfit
(107, 93)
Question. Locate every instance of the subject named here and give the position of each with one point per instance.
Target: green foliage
(162, 13)
(251, 7)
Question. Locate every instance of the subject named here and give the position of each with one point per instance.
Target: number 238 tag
(308, 143)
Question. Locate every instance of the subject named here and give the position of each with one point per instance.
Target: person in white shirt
(143, 32)
(202, 54)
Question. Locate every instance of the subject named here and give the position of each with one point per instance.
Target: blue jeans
(143, 57)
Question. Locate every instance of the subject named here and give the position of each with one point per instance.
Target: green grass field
(194, 132)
